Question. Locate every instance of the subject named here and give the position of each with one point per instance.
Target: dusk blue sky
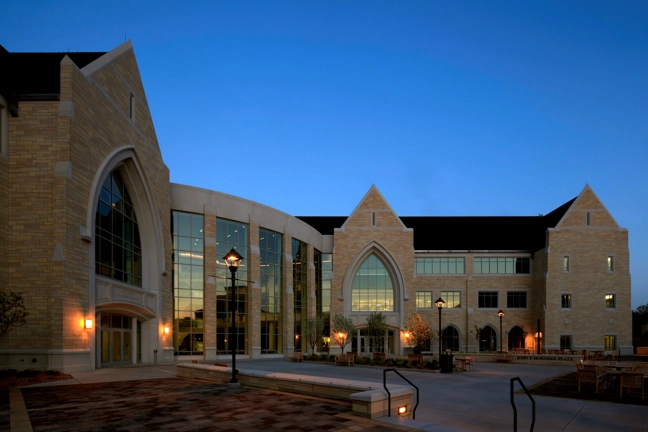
(449, 108)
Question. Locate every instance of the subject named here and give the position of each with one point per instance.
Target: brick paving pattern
(176, 404)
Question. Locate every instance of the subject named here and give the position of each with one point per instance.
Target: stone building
(118, 265)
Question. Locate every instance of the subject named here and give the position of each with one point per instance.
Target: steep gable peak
(373, 211)
(586, 211)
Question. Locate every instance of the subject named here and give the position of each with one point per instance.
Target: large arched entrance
(450, 338)
(516, 338)
(488, 339)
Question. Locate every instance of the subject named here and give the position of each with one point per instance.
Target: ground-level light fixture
(402, 410)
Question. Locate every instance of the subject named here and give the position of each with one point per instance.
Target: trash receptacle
(445, 363)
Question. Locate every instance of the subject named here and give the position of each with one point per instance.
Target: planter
(415, 357)
(380, 356)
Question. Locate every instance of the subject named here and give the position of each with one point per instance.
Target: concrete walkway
(472, 401)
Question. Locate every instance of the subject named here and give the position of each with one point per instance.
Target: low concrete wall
(527, 358)
(368, 399)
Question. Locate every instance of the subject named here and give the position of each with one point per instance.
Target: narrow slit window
(589, 218)
(565, 263)
(373, 218)
(131, 107)
(610, 263)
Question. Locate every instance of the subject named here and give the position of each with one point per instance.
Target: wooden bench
(642, 351)
(503, 358)
(297, 357)
(344, 359)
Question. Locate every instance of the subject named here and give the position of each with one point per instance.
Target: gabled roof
(36, 76)
(524, 233)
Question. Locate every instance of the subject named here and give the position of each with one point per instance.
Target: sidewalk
(473, 401)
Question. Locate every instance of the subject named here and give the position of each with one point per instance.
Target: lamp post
(500, 314)
(233, 260)
(439, 304)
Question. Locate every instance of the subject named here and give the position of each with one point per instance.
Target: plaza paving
(140, 398)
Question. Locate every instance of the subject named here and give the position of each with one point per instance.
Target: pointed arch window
(118, 250)
(372, 287)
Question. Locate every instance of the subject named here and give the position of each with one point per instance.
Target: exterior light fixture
(439, 304)
(233, 260)
(340, 338)
(88, 323)
(500, 314)
(166, 330)
(402, 410)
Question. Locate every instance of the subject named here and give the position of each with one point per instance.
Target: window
(131, 107)
(423, 299)
(566, 342)
(425, 266)
(323, 276)
(516, 299)
(610, 301)
(588, 218)
(118, 251)
(566, 301)
(188, 286)
(610, 342)
(487, 299)
(372, 287)
(566, 263)
(452, 299)
(610, 263)
(4, 127)
(271, 251)
(300, 289)
(502, 266)
(373, 218)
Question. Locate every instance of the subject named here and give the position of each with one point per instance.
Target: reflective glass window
(372, 287)
(423, 300)
(501, 265)
(487, 299)
(300, 291)
(271, 250)
(451, 265)
(452, 299)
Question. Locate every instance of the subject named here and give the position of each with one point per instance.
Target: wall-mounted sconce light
(166, 330)
(88, 323)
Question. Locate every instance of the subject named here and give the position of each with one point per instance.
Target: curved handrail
(515, 409)
(389, 394)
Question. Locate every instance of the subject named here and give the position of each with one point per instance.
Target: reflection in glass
(372, 287)
(271, 248)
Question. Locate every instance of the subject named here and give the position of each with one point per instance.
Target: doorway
(116, 340)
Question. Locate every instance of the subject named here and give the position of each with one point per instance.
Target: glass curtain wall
(271, 247)
(188, 286)
(118, 251)
(231, 234)
(323, 276)
(300, 290)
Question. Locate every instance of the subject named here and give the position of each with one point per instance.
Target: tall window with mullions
(271, 247)
(231, 235)
(118, 251)
(188, 283)
(300, 290)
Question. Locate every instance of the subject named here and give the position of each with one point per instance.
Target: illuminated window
(372, 287)
(566, 263)
(271, 248)
(566, 301)
(300, 290)
(610, 301)
(423, 300)
(452, 299)
(610, 342)
(610, 263)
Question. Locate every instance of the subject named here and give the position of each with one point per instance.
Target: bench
(297, 357)
(642, 351)
(503, 358)
(344, 359)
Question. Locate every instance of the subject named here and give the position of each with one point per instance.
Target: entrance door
(116, 340)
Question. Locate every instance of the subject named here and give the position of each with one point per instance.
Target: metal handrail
(515, 409)
(389, 394)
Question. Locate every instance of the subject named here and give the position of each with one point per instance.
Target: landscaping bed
(13, 378)
(431, 364)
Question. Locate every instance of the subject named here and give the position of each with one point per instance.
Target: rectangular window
(610, 301)
(131, 107)
(452, 299)
(610, 342)
(566, 301)
(589, 218)
(487, 299)
(426, 266)
(271, 274)
(610, 263)
(373, 218)
(565, 342)
(502, 265)
(516, 299)
(566, 263)
(424, 299)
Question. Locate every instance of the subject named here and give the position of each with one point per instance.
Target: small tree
(376, 330)
(417, 334)
(476, 332)
(342, 331)
(314, 329)
(12, 312)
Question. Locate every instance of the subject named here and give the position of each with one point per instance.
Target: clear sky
(449, 107)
